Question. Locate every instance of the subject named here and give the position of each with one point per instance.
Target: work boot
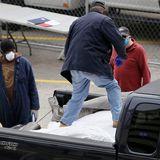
(115, 124)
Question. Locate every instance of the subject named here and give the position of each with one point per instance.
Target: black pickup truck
(137, 136)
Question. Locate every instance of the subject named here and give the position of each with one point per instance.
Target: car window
(145, 129)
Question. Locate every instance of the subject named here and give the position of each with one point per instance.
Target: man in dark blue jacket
(18, 93)
(87, 54)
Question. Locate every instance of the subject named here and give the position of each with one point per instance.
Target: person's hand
(34, 114)
(119, 61)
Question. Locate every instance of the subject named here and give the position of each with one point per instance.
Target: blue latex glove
(119, 61)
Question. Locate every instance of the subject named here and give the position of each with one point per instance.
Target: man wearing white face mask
(19, 98)
(133, 72)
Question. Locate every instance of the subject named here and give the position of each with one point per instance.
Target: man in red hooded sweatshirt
(133, 72)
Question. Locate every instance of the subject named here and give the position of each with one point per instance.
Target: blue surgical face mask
(126, 41)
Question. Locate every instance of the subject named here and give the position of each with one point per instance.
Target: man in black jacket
(87, 54)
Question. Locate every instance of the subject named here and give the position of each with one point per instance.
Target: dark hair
(7, 45)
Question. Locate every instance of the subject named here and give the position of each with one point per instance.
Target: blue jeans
(81, 82)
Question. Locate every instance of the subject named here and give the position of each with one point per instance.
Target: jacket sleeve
(114, 37)
(143, 66)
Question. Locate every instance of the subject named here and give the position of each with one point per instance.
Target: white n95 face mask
(10, 56)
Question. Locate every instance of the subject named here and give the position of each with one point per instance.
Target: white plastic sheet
(97, 126)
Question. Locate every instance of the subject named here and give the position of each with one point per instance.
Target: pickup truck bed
(137, 136)
(96, 126)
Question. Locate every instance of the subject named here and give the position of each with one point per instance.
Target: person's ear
(105, 12)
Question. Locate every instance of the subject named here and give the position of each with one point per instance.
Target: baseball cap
(100, 3)
(7, 45)
(124, 31)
